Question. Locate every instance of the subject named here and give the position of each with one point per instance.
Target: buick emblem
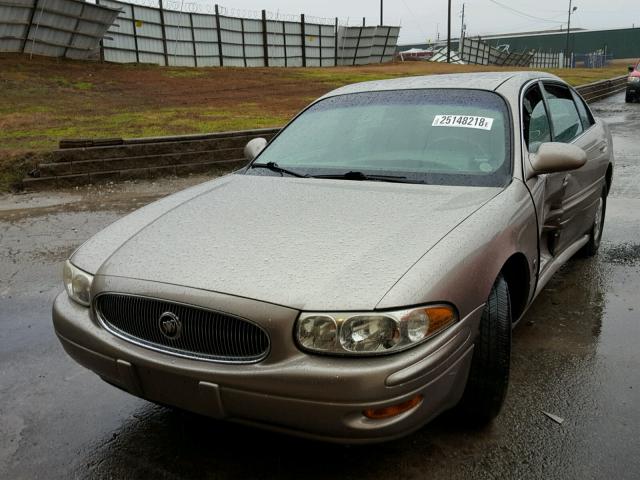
(170, 325)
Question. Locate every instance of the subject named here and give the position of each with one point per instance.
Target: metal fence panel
(476, 51)
(146, 57)
(173, 36)
(66, 28)
(364, 45)
(244, 41)
(121, 56)
(144, 14)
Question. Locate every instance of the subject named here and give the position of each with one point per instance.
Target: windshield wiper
(351, 175)
(273, 166)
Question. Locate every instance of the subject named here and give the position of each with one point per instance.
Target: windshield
(437, 136)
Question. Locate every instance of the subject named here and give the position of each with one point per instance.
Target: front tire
(595, 234)
(489, 376)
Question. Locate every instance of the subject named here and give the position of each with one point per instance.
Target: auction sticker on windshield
(464, 121)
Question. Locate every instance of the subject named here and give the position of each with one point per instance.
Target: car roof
(477, 81)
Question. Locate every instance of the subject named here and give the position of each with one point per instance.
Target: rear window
(565, 119)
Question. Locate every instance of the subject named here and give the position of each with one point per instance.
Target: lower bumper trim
(322, 420)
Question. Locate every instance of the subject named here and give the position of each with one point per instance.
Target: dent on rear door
(586, 183)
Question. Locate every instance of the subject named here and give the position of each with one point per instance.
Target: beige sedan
(363, 273)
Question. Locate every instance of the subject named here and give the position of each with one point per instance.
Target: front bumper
(290, 391)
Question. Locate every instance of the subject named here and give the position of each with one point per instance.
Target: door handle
(603, 147)
(565, 181)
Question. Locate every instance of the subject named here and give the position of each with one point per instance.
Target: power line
(521, 13)
(415, 19)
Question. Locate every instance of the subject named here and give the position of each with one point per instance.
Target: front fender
(463, 266)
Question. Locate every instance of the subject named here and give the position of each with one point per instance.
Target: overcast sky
(421, 20)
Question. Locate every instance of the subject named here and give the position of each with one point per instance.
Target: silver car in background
(363, 273)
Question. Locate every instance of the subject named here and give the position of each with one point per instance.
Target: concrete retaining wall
(142, 158)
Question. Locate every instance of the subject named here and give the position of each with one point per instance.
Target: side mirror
(254, 147)
(631, 68)
(556, 157)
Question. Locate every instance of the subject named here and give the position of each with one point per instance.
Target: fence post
(355, 54)
(75, 29)
(265, 38)
(284, 43)
(320, 42)
(386, 42)
(164, 35)
(193, 40)
(135, 33)
(336, 43)
(244, 43)
(220, 56)
(28, 29)
(303, 34)
(101, 45)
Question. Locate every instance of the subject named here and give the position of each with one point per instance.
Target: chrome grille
(200, 333)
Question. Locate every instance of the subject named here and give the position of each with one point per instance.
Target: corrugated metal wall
(55, 28)
(168, 37)
(620, 43)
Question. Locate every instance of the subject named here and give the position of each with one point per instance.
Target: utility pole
(449, 33)
(566, 50)
(381, 12)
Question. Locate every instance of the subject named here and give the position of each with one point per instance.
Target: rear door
(571, 212)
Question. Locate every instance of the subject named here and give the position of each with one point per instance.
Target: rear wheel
(628, 98)
(595, 234)
(489, 376)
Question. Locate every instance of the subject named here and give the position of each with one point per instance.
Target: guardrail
(84, 161)
(592, 92)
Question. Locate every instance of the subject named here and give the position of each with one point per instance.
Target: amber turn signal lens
(440, 317)
(393, 410)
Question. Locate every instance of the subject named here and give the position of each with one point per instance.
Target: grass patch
(331, 77)
(45, 100)
(82, 85)
(13, 168)
(184, 73)
(582, 76)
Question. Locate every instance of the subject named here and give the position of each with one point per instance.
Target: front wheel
(595, 234)
(489, 376)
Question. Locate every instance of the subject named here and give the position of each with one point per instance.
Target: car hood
(304, 243)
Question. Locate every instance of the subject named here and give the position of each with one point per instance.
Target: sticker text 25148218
(464, 121)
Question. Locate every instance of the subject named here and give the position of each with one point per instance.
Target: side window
(583, 111)
(535, 123)
(563, 112)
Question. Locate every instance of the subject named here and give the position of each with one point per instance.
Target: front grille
(182, 329)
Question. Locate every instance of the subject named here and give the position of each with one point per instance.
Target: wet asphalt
(576, 356)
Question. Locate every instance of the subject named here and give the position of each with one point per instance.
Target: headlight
(77, 283)
(371, 332)
(633, 79)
